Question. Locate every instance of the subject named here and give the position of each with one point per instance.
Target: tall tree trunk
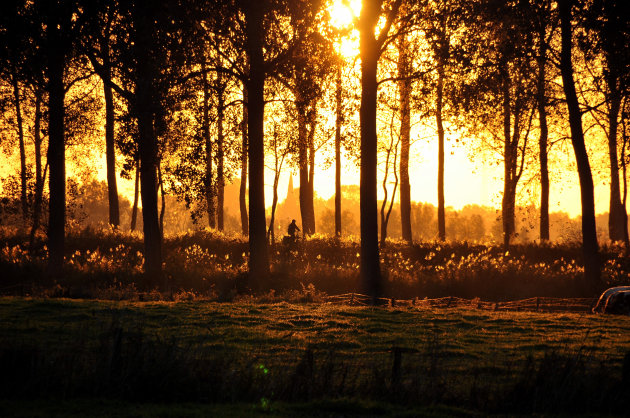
(163, 198)
(220, 167)
(624, 176)
(136, 189)
(440, 130)
(20, 126)
(616, 210)
(271, 236)
(404, 87)
(56, 149)
(589, 233)
(544, 135)
(338, 121)
(370, 268)
(206, 135)
(303, 163)
(110, 150)
(259, 256)
(244, 152)
(39, 178)
(147, 141)
(611, 42)
(509, 164)
(311, 170)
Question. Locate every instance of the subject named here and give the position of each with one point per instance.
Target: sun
(343, 12)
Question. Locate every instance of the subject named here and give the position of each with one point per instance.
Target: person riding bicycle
(293, 228)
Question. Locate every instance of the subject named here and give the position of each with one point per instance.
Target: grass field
(266, 356)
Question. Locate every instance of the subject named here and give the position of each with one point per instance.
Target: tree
(449, 30)
(16, 59)
(280, 147)
(590, 246)
(544, 23)
(96, 43)
(258, 251)
(12, 69)
(338, 123)
(605, 45)
(505, 80)
(305, 73)
(205, 126)
(404, 89)
(391, 153)
(148, 56)
(371, 48)
(59, 34)
(244, 152)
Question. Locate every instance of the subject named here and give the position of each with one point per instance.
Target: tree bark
(147, 141)
(311, 169)
(441, 212)
(370, 267)
(110, 149)
(404, 88)
(220, 164)
(616, 210)
(136, 189)
(338, 122)
(544, 135)
(39, 178)
(163, 199)
(56, 149)
(244, 152)
(509, 164)
(206, 135)
(20, 127)
(624, 176)
(611, 42)
(258, 251)
(589, 233)
(305, 197)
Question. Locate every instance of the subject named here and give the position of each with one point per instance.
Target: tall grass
(109, 264)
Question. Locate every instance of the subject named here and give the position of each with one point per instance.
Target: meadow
(262, 354)
(449, 341)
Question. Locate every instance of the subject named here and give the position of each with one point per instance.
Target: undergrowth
(212, 266)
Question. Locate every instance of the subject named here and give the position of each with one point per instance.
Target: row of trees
(196, 92)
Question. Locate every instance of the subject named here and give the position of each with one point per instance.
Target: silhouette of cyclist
(293, 228)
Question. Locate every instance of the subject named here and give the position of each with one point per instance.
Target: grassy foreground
(274, 357)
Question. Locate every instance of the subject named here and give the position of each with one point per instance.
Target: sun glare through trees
(352, 152)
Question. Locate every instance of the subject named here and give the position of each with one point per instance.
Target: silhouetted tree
(605, 46)
(544, 20)
(589, 232)
(440, 21)
(371, 48)
(404, 91)
(505, 80)
(96, 42)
